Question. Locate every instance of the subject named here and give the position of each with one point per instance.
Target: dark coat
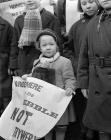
(6, 32)
(45, 74)
(22, 59)
(61, 14)
(96, 77)
(72, 46)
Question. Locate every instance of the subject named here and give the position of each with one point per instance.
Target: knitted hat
(31, 29)
(48, 32)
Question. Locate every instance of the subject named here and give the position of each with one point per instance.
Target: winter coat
(72, 46)
(61, 8)
(94, 72)
(22, 59)
(59, 73)
(6, 32)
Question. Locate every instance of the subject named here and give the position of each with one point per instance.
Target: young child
(26, 29)
(94, 71)
(63, 75)
(87, 9)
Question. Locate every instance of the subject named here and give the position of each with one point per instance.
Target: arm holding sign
(68, 77)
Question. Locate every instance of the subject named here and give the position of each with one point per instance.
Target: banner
(14, 7)
(17, 7)
(35, 108)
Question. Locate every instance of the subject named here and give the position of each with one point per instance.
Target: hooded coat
(6, 32)
(94, 72)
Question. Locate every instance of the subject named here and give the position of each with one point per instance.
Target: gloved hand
(69, 91)
(24, 77)
(12, 72)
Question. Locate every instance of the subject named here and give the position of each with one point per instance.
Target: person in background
(50, 61)
(26, 28)
(71, 50)
(6, 33)
(60, 12)
(94, 71)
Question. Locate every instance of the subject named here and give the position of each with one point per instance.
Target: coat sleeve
(55, 26)
(61, 6)
(14, 46)
(10, 35)
(68, 75)
(83, 65)
(68, 47)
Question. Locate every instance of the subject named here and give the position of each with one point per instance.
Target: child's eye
(91, 1)
(43, 45)
(51, 44)
(83, 2)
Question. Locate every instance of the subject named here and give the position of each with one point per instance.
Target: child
(26, 28)
(88, 9)
(50, 60)
(94, 71)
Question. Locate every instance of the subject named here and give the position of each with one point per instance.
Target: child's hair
(79, 8)
(48, 32)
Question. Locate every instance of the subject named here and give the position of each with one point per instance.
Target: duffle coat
(96, 75)
(6, 32)
(22, 59)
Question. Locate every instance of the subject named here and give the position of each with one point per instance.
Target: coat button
(97, 92)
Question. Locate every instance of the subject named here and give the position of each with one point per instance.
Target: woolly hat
(48, 32)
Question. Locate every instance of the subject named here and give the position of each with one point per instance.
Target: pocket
(104, 109)
(104, 78)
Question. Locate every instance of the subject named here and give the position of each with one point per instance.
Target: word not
(39, 108)
(23, 135)
(20, 115)
(31, 85)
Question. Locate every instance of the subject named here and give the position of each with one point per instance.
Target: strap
(100, 61)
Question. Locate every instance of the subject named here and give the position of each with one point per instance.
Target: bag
(45, 74)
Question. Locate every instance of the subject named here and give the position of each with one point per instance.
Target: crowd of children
(80, 61)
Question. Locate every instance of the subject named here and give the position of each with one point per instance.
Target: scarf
(44, 60)
(31, 29)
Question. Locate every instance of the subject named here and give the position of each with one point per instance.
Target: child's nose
(88, 6)
(48, 46)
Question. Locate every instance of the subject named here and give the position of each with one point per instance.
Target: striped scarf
(31, 29)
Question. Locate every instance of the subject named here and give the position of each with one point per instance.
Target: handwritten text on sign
(35, 108)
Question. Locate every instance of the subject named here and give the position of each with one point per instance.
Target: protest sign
(14, 7)
(35, 108)
(17, 7)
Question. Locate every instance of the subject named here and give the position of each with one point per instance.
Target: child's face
(48, 45)
(106, 4)
(32, 4)
(89, 7)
